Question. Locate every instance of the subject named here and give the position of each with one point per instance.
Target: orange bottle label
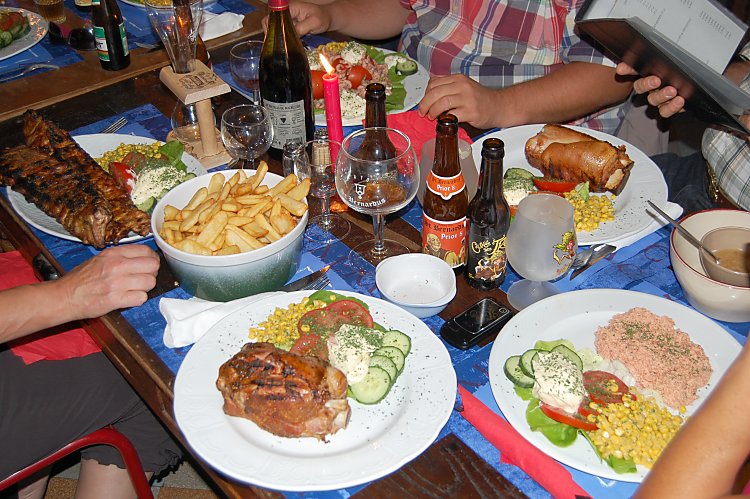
(445, 187)
(445, 240)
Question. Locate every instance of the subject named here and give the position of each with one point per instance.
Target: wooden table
(448, 467)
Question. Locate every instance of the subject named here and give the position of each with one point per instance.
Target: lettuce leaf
(559, 434)
(549, 345)
(173, 150)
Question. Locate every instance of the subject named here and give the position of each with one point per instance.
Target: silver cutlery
(693, 240)
(321, 283)
(24, 69)
(311, 281)
(599, 252)
(583, 257)
(121, 122)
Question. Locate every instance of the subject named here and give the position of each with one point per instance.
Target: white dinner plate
(415, 86)
(575, 316)
(38, 27)
(379, 439)
(646, 182)
(95, 145)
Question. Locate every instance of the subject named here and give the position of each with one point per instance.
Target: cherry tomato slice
(328, 320)
(317, 83)
(552, 185)
(604, 388)
(312, 345)
(123, 175)
(574, 420)
(357, 74)
(6, 23)
(340, 65)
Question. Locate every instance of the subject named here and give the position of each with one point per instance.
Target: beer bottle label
(101, 43)
(288, 121)
(124, 38)
(445, 187)
(486, 260)
(445, 240)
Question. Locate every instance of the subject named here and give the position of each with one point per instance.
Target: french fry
(218, 243)
(225, 191)
(272, 234)
(239, 221)
(229, 250)
(243, 189)
(283, 223)
(300, 191)
(171, 225)
(232, 239)
(216, 183)
(285, 185)
(261, 189)
(234, 178)
(254, 229)
(209, 213)
(213, 228)
(246, 238)
(230, 206)
(275, 209)
(170, 213)
(251, 198)
(190, 246)
(199, 196)
(258, 208)
(258, 176)
(168, 236)
(294, 206)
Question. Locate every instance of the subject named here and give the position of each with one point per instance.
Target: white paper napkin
(188, 320)
(216, 25)
(657, 222)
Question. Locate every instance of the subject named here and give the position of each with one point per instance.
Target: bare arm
(573, 91)
(704, 457)
(368, 19)
(115, 278)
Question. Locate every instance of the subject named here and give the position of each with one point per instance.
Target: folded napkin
(516, 450)
(420, 129)
(216, 25)
(188, 320)
(49, 344)
(657, 222)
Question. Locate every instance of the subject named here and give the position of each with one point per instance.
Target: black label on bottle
(486, 260)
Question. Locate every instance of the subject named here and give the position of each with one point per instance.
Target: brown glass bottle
(109, 31)
(201, 52)
(488, 218)
(376, 144)
(445, 200)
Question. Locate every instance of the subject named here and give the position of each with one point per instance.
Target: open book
(687, 43)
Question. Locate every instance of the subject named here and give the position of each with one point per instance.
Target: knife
(22, 69)
(598, 255)
(302, 282)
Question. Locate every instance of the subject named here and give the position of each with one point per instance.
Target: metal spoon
(693, 240)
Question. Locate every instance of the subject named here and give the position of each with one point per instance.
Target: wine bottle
(376, 144)
(285, 81)
(489, 219)
(445, 200)
(109, 31)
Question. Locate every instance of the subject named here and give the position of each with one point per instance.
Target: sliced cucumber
(373, 387)
(147, 205)
(526, 364)
(406, 67)
(386, 364)
(570, 354)
(393, 353)
(5, 38)
(392, 59)
(512, 369)
(394, 338)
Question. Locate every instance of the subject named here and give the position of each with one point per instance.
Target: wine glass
(244, 59)
(540, 246)
(377, 187)
(247, 133)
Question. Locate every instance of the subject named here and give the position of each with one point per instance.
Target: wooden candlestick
(198, 87)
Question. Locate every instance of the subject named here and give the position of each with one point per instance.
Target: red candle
(332, 100)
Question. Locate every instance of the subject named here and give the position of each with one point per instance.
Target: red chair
(105, 436)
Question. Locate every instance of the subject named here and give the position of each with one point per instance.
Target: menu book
(652, 37)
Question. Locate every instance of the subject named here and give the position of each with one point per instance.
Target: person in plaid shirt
(719, 175)
(493, 63)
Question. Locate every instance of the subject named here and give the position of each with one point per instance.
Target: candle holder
(194, 84)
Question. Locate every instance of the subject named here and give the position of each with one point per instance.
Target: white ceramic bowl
(419, 283)
(715, 299)
(224, 278)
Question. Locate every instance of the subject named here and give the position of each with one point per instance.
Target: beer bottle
(285, 81)
(376, 144)
(201, 52)
(488, 218)
(109, 31)
(445, 200)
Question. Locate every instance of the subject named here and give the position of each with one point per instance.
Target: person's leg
(34, 487)
(95, 477)
(686, 180)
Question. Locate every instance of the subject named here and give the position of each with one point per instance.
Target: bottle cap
(278, 4)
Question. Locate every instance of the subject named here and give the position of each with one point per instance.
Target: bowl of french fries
(233, 233)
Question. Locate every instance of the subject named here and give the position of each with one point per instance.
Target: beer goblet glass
(177, 26)
(377, 187)
(540, 246)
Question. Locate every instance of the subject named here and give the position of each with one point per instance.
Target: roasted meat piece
(286, 394)
(566, 154)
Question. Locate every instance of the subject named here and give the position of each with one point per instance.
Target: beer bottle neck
(446, 152)
(375, 111)
(490, 178)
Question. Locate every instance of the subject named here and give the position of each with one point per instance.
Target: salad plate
(379, 439)
(646, 182)
(95, 145)
(575, 316)
(38, 28)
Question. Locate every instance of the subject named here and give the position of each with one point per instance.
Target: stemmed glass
(377, 188)
(247, 133)
(540, 246)
(177, 26)
(244, 59)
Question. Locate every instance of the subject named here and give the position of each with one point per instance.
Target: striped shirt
(501, 42)
(729, 156)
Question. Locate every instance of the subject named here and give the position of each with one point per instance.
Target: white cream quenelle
(558, 381)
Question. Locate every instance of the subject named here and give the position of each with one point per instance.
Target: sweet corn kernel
(280, 328)
(148, 150)
(590, 213)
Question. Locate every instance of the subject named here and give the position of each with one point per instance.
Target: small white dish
(419, 283)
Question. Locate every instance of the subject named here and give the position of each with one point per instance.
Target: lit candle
(332, 100)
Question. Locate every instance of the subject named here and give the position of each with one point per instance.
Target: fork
(321, 282)
(23, 70)
(583, 257)
(121, 122)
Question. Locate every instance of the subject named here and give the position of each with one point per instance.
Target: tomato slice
(317, 83)
(600, 385)
(6, 23)
(312, 345)
(584, 409)
(327, 320)
(357, 74)
(553, 185)
(123, 175)
(340, 65)
(135, 160)
(574, 420)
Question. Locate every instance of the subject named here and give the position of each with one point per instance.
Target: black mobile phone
(471, 326)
